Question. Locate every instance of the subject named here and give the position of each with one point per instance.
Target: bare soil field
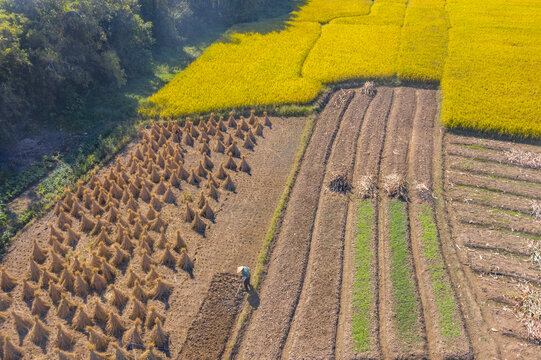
(226, 230)
(490, 199)
(399, 240)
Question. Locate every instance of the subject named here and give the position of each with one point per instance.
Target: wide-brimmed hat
(239, 269)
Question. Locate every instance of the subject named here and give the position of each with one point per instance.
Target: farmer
(245, 270)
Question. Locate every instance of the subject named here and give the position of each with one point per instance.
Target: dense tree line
(53, 53)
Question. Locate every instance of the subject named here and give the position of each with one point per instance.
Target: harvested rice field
(371, 231)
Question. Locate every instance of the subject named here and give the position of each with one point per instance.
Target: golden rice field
(484, 54)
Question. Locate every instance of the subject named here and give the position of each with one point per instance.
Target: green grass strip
(403, 287)
(445, 299)
(363, 297)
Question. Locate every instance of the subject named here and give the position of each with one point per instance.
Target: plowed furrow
(496, 218)
(489, 263)
(483, 197)
(490, 143)
(403, 332)
(269, 325)
(493, 240)
(444, 326)
(488, 168)
(495, 184)
(358, 336)
(313, 330)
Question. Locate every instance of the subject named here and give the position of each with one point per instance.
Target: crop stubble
(313, 330)
(493, 233)
(269, 325)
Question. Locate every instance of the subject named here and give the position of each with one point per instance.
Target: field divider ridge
(313, 330)
(269, 324)
(443, 320)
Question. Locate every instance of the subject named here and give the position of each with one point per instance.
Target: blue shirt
(245, 272)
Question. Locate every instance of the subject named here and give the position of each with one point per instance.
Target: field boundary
(269, 242)
(470, 310)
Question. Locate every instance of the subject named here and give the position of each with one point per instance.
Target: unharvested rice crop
(423, 46)
(484, 53)
(324, 11)
(491, 78)
(252, 69)
(347, 51)
(381, 13)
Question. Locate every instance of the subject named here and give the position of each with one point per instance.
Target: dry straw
(97, 338)
(101, 313)
(8, 282)
(28, 290)
(10, 350)
(244, 165)
(132, 337)
(158, 335)
(21, 321)
(115, 326)
(228, 184)
(65, 355)
(138, 292)
(81, 319)
(40, 306)
(46, 276)
(55, 291)
(198, 224)
(39, 332)
(138, 310)
(65, 307)
(64, 339)
(161, 289)
(132, 277)
(167, 258)
(34, 271)
(118, 298)
(184, 261)
(152, 316)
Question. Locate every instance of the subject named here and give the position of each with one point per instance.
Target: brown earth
(313, 330)
(488, 168)
(394, 163)
(495, 218)
(366, 172)
(494, 250)
(208, 334)
(269, 324)
(487, 239)
(421, 195)
(483, 197)
(233, 238)
(528, 190)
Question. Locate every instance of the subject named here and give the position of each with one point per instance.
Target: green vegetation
(405, 304)
(94, 152)
(363, 296)
(448, 311)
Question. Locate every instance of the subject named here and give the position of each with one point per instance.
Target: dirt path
(269, 325)
(313, 330)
